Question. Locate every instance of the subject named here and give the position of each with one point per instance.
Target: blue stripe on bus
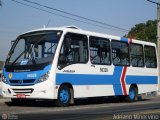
(88, 79)
(24, 75)
(82, 79)
(142, 79)
(124, 39)
(116, 80)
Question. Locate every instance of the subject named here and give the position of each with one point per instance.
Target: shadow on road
(87, 101)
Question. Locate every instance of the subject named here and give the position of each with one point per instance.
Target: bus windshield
(34, 48)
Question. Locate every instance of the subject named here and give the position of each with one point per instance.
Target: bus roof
(75, 29)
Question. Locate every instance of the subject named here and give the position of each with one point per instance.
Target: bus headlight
(43, 78)
(4, 79)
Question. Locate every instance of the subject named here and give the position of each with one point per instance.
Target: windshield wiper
(30, 52)
(37, 42)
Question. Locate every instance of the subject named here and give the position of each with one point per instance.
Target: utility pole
(158, 39)
(158, 36)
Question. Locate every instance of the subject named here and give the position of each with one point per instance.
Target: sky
(16, 18)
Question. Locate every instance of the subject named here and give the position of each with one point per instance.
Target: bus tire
(133, 94)
(64, 96)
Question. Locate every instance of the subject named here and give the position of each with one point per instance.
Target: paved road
(104, 109)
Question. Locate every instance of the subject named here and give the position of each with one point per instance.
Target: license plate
(20, 96)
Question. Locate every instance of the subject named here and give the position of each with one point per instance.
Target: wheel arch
(135, 85)
(67, 84)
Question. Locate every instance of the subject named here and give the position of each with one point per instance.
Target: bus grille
(23, 91)
(22, 82)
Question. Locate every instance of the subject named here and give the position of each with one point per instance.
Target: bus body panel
(93, 83)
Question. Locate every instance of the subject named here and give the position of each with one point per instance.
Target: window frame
(155, 56)
(70, 63)
(142, 54)
(114, 40)
(106, 39)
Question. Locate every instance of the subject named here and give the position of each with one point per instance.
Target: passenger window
(74, 49)
(137, 57)
(100, 51)
(120, 53)
(150, 57)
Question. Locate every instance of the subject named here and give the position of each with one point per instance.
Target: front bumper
(44, 90)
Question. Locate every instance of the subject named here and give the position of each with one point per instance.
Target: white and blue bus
(67, 63)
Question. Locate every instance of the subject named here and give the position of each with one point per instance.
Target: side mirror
(12, 42)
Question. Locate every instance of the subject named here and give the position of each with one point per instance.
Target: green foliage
(144, 31)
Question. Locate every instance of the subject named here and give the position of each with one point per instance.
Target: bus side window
(150, 57)
(74, 50)
(120, 53)
(100, 51)
(137, 56)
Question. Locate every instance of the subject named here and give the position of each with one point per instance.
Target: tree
(144, 31)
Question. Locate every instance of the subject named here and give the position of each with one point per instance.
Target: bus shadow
(78, 102)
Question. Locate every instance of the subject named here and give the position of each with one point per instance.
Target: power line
(104, 27)
(153, 2)
(64, 16)
(74, 15)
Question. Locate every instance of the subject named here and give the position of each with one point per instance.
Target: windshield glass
(34, 48)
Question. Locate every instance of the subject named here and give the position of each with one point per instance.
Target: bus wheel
(64, 96)
(133, 94)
